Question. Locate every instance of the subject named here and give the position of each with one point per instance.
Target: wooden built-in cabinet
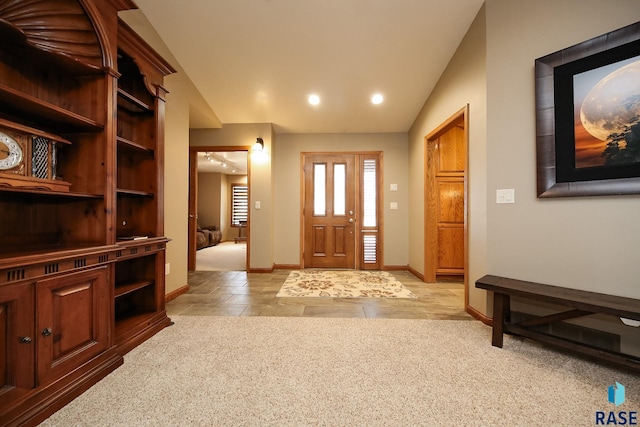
(82, 246)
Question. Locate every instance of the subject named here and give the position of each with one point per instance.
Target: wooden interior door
(193, 210)
(329, 210)
(446, 207)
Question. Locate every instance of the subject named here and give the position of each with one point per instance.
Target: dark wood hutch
(82, 246)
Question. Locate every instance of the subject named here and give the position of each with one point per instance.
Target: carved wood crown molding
(60, 26)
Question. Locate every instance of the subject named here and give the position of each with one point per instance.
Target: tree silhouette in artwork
(624, 147)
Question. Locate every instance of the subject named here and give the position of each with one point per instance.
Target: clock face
(10, 152)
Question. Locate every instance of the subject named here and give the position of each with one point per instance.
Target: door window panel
(319, 189)
(369, 218)
(339, 189)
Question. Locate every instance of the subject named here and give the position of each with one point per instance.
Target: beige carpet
(225, 256)
(343, 284)
(267, 371)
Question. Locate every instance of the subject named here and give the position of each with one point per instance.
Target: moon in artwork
(613, 103)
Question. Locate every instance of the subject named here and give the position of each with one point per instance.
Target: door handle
(351, 220)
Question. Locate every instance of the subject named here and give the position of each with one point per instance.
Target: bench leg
(501, 314)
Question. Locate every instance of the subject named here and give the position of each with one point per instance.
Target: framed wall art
(588, 117)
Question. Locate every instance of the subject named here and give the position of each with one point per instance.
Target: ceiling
(257, 61)
(235, 161)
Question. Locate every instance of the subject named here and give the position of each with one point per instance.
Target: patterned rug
(343, 284)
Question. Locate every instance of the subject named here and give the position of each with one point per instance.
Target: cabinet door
(73, 321)
(17, 370)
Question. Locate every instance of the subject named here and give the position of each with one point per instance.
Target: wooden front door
(446, 199)
(329, 210)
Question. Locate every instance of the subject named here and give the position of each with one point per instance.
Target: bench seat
(580, 303)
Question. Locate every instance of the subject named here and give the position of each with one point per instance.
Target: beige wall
(209, 198)
(261, 254)
(586, 243)
(462, 83)
(287, 189)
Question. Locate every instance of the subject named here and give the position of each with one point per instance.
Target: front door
(329, 210)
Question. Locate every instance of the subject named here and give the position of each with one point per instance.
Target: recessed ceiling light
(314, 99)
(377, 99)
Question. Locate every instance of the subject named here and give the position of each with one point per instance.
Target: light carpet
(225, 256)
(268, 371)
(343, 284)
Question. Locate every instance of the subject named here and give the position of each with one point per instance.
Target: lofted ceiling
(257, 61)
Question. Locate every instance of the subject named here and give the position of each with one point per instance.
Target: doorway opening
(219, 227)
(446, 201)
(341, 211)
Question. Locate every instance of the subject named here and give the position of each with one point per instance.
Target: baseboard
(415, 273)
(286, 266)
(478, 315)
(260, 270)
(394, 268)
(175, 294)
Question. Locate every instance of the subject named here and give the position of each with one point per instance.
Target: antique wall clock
(10, 152)
(28, 158)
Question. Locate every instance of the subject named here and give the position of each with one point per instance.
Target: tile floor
(237, 293)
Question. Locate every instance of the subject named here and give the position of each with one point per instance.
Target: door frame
(430, 222)
(192, 217)
(359, 156)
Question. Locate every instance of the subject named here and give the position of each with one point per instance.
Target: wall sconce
(258, 146)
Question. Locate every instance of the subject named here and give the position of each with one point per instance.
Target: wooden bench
(580, 303)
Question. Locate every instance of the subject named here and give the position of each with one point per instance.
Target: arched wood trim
(69, 28)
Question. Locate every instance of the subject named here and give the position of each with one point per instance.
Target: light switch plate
(393, 205)
(393, 187)
(507, 195)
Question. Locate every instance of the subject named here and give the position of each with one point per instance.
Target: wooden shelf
(128, 322)
(32, 106)
(127, 144)
(125, 288)
(131, 103)
(42, 253)
(133, 193)
(33, 131)
(66, 195)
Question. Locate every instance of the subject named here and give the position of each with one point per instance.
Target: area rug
(343, 284)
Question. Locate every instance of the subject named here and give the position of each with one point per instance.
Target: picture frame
(586, 132)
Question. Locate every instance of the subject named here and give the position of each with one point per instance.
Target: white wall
(589, 243)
